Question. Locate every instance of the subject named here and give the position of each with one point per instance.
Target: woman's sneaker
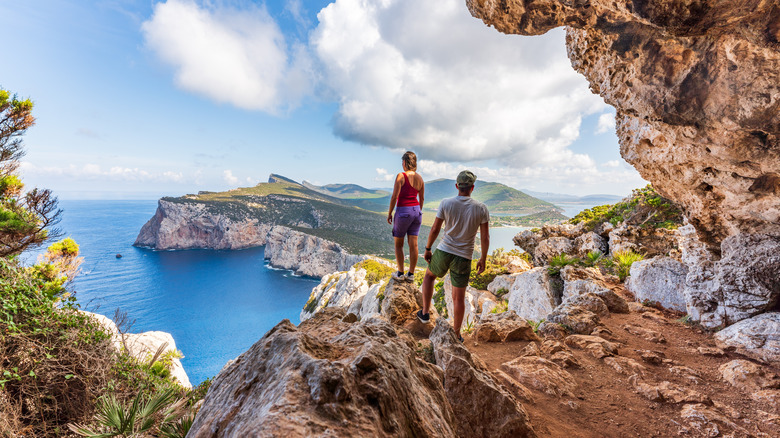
(409, 276)
(424, 318)
(399, 276)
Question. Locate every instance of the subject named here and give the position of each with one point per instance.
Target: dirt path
(607, 403)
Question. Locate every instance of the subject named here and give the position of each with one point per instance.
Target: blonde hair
(410, 160)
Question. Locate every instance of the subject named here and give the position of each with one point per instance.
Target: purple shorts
(407, 221)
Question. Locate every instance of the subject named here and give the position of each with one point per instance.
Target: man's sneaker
(399, 276)
(460, 338)
(409, 276)
(424, 318)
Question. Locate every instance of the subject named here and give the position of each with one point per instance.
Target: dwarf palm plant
(116, 420)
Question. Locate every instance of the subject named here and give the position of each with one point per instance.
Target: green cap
(466, 179)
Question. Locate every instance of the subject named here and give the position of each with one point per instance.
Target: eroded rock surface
(660, 280)
(482, 406)
(696, 86)
(758, 336)
(328, 377)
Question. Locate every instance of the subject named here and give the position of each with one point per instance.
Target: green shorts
(459, 267)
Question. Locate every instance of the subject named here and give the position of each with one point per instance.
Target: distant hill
(346, 191)
(500, 198)
(560, 198)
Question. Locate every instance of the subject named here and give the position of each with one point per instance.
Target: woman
(409, 186)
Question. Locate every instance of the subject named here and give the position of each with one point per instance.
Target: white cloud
(606, 123)
(229, 178)
(611, 164)
(429, 77)
(383, 175)
(229, 55)
(91, 171)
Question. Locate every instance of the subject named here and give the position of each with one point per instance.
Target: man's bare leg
(427, 290)
(458, 307)
(413, 253)
(399, 253)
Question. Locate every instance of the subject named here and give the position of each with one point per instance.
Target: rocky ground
(645, 374)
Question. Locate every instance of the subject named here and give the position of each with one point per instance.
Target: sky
(137, 99)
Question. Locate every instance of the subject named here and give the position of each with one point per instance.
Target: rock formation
(144, 345)
(328, 377)
(183, 225)
(696, 85)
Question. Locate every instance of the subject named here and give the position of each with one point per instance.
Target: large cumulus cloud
(428, 76)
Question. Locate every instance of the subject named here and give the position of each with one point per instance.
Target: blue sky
(139, 99)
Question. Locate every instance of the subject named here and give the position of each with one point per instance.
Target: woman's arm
(422, 194)
(394, 198)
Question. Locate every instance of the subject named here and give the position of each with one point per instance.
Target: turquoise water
(216, 304)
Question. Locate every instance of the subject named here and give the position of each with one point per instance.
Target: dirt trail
(605, 403)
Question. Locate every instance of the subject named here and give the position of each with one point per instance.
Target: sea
(215, 303)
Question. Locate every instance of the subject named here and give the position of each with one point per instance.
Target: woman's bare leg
(399, 253)
(413, 253)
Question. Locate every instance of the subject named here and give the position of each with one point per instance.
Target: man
(464, 216)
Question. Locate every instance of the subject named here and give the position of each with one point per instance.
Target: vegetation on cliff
(645, 208)
(57, 363)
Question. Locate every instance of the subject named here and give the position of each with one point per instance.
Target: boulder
(575, 319)
(340, 289)
(589, 242)
(400, 301)
(328, 377)
(541, 374)
(625, 365)
(667, 392)
(588, 301)
(505, 327)
(661, 280)
(569, 231)
(758, 337)
(504, 281)
(144, 345)
(551, 247)
(527, 241)
(481, 405)
(517, 264)
(597, 346)
(532, 295)
(748, 376)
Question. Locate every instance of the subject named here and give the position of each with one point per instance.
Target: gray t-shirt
(462, 217)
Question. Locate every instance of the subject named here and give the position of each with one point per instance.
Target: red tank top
(408, 195)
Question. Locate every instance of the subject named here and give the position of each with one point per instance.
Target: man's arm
(435, 229)
(484, 240)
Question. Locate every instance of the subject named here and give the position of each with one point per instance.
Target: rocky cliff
(177, 225)
(696, 85)
(182, 225)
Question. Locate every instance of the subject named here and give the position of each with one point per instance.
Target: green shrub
(501, 307)
(493, 268)
(375, 272)
(593, 257)
(623, 261)
(502, 291)
(645, 206)
(559, 262)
